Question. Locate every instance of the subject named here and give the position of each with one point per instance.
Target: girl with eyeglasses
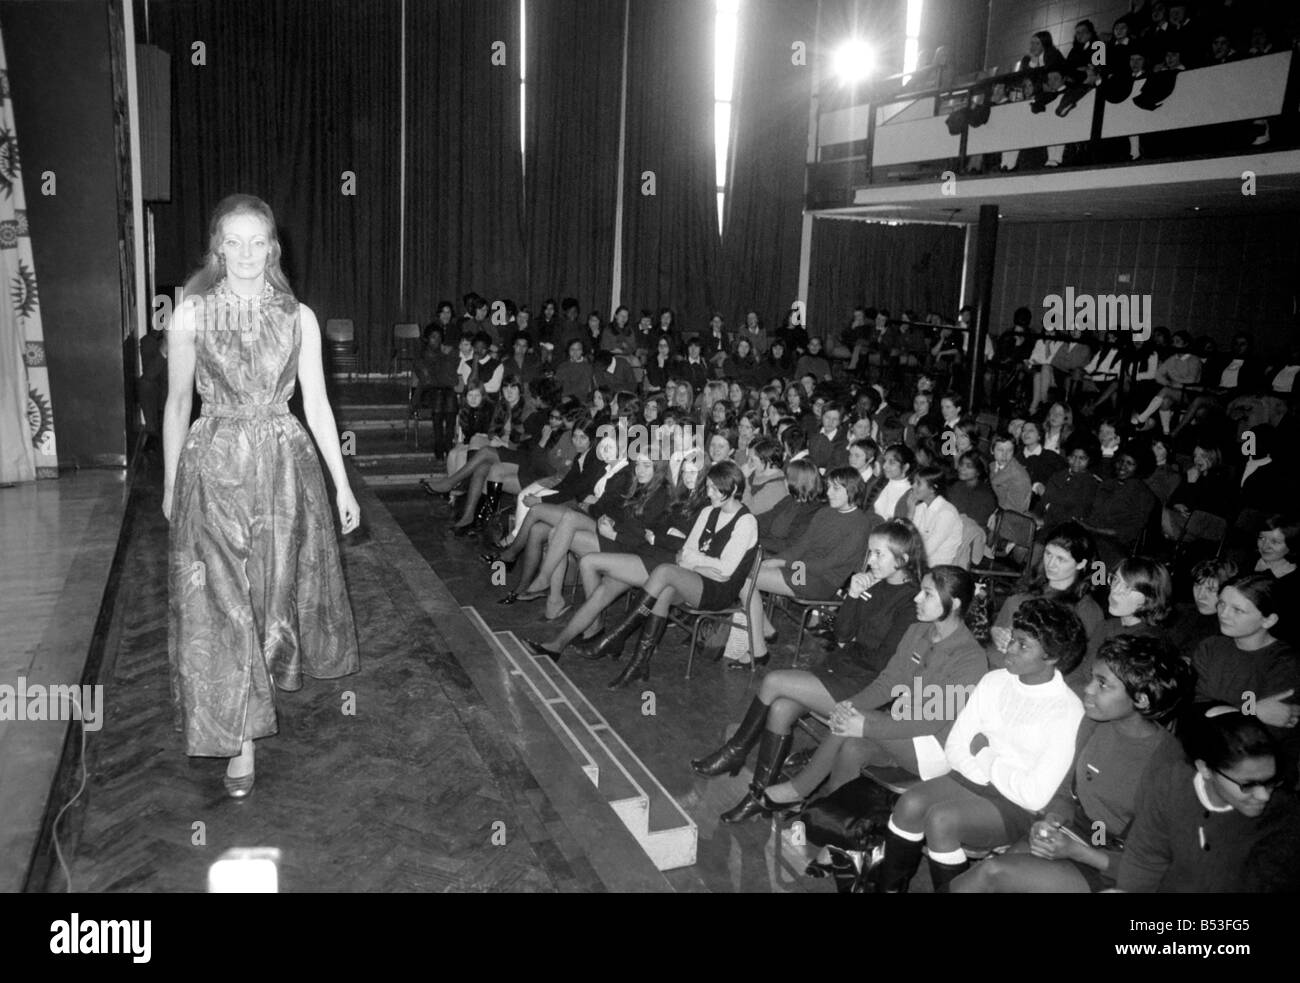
(1217, 822)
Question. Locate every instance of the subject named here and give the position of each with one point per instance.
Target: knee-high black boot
(772, 750)
(487, 505)
(941, 875)
(612, 642)
(902, 858)
(639, 666)
(731, 756)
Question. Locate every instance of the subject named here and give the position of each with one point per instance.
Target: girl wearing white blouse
(708, 574)
(1009, 749)
(936, 518)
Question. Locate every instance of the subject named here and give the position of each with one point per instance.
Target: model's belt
(245, 411)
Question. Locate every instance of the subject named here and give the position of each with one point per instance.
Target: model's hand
(349, 510)
(1048, 842)
(605, 527)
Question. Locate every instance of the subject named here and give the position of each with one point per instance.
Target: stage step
(663, 828)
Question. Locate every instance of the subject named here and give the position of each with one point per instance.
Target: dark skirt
(843, 674)
(1016, 820)
(718, 595)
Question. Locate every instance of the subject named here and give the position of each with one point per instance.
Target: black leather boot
(612, 642)
(731, 756)
(941, 875)
(487, 505)
(772, 750)
(639, 667)
(902, 858)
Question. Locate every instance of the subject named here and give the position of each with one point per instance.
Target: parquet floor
(405, 795)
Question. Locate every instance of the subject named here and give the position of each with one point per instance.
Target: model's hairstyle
(903, 454)
(1150, 667)
(954, 586)
(629, 406)
(212, 266)
(1220, 569)
(1222, 736)
(1056, 628)
(1262, 590)
(851, 481)
(1288, 524)
(587, 425)
(768, 451)
(904, 541)
(1002, 437)
(975, 460)
(936, 477)
(956, 398)
(728, 479)
(1151, 579)
(1076, 541)
(803, 480)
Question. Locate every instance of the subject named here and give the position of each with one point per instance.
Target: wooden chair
(341, 338)
(691, 619)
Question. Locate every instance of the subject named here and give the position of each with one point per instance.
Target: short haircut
(1222, 736)
(954, 397)
(1151, 579)
(850, 480)
(1076, 541)
(1261, 590)
(1220, 569)
(1056, 628)
(905, 542)
(1150, 667)
(936, 477)
(803, 481)
(795, 440)
(728, 479)
(1002, 437)
(868, 447)
(1289, 526)
(768, 451)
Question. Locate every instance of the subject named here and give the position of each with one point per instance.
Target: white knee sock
(904, 834)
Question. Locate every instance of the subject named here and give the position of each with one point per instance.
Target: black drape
(575, 78)
(290, 96)
(763, 227)
(962, 27)
(670, 238)
(890, 266)
(464, 167)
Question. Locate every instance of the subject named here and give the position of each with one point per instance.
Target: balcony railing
(919, 134)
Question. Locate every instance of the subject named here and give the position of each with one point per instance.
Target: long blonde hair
(213, 267)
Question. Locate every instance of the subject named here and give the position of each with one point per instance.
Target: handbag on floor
(851, 818)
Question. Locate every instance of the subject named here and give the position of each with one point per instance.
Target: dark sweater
(829, 452)
(832, 548)
(785, 524)
(976, 503)
(1103, 786)
(1225, 673)
(1177, 846)
(919, 662)
(873, 625)
(1068, 496)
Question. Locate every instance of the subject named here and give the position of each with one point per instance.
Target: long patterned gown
(257, 595)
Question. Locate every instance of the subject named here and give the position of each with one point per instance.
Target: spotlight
(854, 61)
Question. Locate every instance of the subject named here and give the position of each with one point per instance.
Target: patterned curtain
(26, 418)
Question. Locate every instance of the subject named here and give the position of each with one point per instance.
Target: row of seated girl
(1082, 807)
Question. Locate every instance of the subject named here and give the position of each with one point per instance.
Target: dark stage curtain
(764, 212)
(891, 266)
(464, 168)
(670, 238)
(291, 95)
(575, 77)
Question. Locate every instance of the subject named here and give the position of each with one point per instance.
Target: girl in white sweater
(1009, 749)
